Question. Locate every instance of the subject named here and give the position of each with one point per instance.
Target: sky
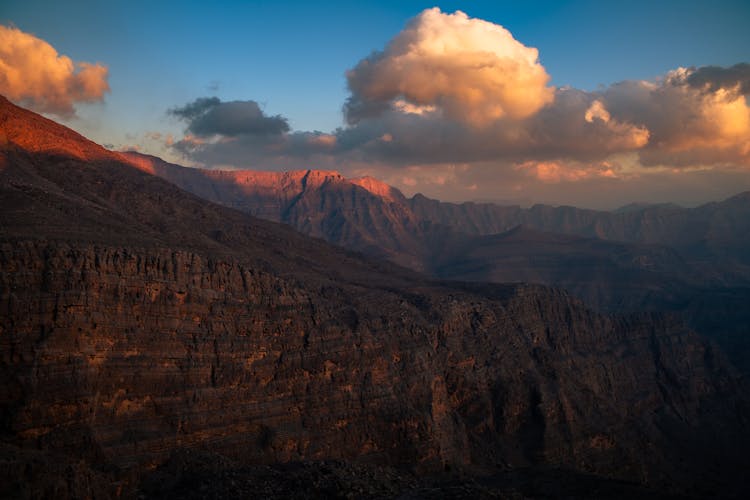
(587, 103)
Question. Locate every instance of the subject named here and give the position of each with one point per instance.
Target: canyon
(150, 337)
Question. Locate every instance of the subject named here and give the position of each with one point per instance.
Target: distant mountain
(361, 214)
(711, 237)
(609, 275)
(637, 207)
(146, 332)
(380, 221)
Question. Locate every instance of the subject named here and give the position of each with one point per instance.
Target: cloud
(575, 126)
(712, 78)
(207, 116)
(282, 151)
(33, 74)
(671, 121)
(555, 172)
(701, 120)
(472, 70)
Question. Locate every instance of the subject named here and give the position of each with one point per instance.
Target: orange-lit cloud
(555, 172)
(472, 70)
(33, 74)
(690, 125)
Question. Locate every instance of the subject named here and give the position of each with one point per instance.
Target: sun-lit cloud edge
(34, 75)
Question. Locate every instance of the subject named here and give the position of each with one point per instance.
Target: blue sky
(291, 57)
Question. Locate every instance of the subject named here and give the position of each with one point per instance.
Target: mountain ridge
(658, 224)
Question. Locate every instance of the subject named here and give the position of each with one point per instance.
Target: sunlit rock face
(138, 321)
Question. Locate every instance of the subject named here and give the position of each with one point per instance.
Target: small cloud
(326, 141)
(208, 116)
(33, 74)
(555, 172)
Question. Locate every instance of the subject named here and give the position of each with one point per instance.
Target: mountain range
(691, 261)
(156, 343)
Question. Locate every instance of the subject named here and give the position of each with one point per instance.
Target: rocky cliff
(139, 323)
(122, 355)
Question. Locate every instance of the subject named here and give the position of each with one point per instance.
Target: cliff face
(137, 320)
(122, 355)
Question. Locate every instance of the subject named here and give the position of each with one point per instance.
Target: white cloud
(472, 70)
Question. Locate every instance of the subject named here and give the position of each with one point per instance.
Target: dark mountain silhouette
(610, 275)
(156, 344)
(711, 237)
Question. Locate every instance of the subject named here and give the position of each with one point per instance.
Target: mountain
(361, 214)
(711, 237)
(152, 343)
(638, 207)
(370, 216)
(643, 257)
(609, 275)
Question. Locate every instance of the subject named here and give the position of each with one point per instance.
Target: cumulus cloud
(692, 120)
(207, 116)
(472, 70)
(575, 126)
(33, 74)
